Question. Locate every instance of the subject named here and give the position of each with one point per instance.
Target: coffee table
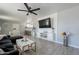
(25, 44)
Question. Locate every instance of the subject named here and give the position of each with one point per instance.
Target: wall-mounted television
(45, 23)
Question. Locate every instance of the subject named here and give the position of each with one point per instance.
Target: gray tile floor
(45, 47)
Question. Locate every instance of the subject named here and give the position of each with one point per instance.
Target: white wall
(8, 27)
(68, 21)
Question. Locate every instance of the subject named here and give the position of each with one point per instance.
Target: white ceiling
(10, 9)
(50, 8)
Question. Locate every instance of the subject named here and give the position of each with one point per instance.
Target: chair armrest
(1, 51)
(13, 52)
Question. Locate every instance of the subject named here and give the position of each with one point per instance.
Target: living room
(41, 26)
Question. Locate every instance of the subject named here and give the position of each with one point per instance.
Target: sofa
(7, 45)
(14, 38)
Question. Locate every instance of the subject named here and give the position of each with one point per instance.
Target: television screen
(45, 23)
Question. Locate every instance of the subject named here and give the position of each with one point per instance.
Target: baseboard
(62, 43)
(69, 44)
(58, 42)
(74, 46)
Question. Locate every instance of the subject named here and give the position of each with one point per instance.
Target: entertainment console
(46, 34)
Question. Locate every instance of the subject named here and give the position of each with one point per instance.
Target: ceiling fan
(29, 9)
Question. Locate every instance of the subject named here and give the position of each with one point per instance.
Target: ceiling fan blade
(21, 10)
(27, 6)
(35, 9)
(33, 12)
